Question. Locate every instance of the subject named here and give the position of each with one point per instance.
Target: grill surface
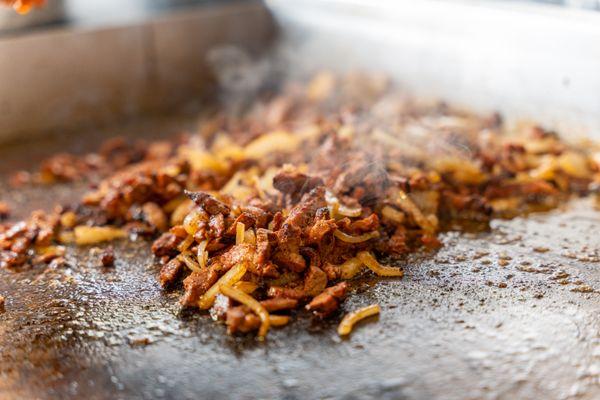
(446, 330)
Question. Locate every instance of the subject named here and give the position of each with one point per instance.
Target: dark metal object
(447, 330)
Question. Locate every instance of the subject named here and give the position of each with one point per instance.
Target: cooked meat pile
(261, 214)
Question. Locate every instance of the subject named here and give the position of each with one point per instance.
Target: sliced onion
(278, 320)
(202, 254)
(336, 208)
(191, 222)
(250, 237)
(253, 304)
(382, 270)
(352, 318)
(344, 237)
(351, 268)
(189, 261)
(240, 228)
(392, 214)
(229, 278)
(246, 286)
(96, 234)
(408, 206)
(187, 242)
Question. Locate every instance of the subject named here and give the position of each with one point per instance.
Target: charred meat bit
(107, 258)
(170, 272)
(196, 284)
(211, 205)
(328, 301)
(166, 245)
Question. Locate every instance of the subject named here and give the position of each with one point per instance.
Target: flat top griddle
(448, 329)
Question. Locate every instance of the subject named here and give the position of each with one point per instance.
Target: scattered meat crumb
(108, 257)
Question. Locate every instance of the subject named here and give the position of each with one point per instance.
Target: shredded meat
(170, 272)
(211, 205)
(328, 301)
(196, 284)
(107, 258)
(166, 245)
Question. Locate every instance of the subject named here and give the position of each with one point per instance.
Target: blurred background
(85, 63)
(115, 11)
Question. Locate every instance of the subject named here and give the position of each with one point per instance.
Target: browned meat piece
(367, 224)
(243, 218)
(366, 180)
(166, 245)
(525, 189)
(44, 236)
(328, 302)
(10, 259)
(211, 205)
(4, 210)
(239, 320)
(196, 284)
(260, 216)
(285, 292)
(295, 183)
(303, 213)
(20, 245)
(107, 258)
(240, 253)
(315, 281)
(170, 272)
(279, 303)
(63, 167)
(265, 240)
(397, 243)
(320, 229)
(250, 217)
(216, 225)
(2, 301)
(289, 239)
(155, 216)
(333, 271)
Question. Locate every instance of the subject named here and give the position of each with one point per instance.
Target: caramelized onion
(240, 229)
(246, 286)
(392, 214)
(191, 222)
(344, 237)
(278, 320)
(338, 209)
(187, 260)
(382, 270)
(187, 242)
(351, 268)
(352, 318)
(408, 206)
(96, 234)
(202, 254)
(229, 278)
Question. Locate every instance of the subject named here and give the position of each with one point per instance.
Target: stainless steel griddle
(448, 329)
